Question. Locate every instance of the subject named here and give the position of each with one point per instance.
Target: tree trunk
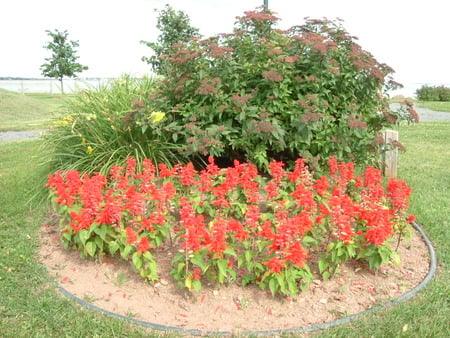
(62, 85)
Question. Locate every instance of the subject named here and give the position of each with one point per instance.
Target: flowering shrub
(233, 225)
(260, 94)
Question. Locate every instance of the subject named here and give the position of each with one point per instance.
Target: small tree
(175, 27)
(63, 60)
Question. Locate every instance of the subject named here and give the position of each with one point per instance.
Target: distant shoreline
(12, 78)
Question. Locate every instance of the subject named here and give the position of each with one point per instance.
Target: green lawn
(30, 306)
(437, 106)
(28, 111)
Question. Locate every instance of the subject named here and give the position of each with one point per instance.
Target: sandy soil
(114, 286)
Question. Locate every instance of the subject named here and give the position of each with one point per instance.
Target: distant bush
(436, 93)
(261, 94)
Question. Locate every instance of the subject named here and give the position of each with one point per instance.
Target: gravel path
(9, 136)
(425, 115)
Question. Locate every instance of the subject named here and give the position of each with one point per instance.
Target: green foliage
(63, 61)
(260, 94)
(430, 93)
(175, 27)
(107, 125)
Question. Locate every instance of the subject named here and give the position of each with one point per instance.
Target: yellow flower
(90, 117)
(157, 116)
(89, 150)
(66, 120)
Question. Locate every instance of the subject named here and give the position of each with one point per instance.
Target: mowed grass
(30, 305)
(433, 105)
(28, 111)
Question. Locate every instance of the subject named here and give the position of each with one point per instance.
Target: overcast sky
(410, 36)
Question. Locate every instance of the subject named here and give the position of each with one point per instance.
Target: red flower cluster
(225, 215)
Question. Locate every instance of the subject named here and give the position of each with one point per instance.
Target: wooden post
(391, 156)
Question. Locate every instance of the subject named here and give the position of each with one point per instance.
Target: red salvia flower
(144, 245)
(321, 186)
(111, 211)
(187, 175)
(297, 254)
(197, 274)
(276, 171)
(132, 236)
(398, 193)
(275, 264)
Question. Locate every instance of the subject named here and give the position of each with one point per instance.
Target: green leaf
(101, 231)
(84, 236)
(385, 253)
(198, 260)
(273, 286)
(148, 256)
(91, 248)
(248, 256)
(137, 260)
(113, 247)
(395, 258)
(309, 240)
(326, 275)
(222, 266)
(292, 287)
(196, 285)
(323, 265)
(375, 261)
(351, 251)
(180, 267)
(67, 236)
(281, 282)
(188, 283)
(126, 251)
(100, 243)
(230, 252)
(152, 271)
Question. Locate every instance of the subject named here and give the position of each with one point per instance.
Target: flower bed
(233, 225)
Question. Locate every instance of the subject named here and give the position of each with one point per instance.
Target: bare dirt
(114, 286)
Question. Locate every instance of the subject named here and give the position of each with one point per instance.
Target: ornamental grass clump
(233, 225)
(261, 94)
(105, 126)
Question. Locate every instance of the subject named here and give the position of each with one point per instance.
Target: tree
(175, 27)
(63, 60)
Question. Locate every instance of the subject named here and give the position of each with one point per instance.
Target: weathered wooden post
(391, 156)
